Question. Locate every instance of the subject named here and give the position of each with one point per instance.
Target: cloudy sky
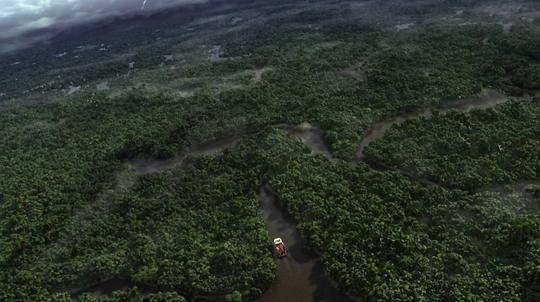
(20, 16)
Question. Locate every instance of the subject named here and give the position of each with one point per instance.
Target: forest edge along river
(299, 276)
(311, 136)
(486, 99)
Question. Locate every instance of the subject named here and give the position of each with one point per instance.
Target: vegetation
(154, 237)
(68, 228)
(535, 190)
(467, 151)
(387, 238)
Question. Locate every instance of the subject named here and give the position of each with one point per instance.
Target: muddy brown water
(299, 276)
(487, 99)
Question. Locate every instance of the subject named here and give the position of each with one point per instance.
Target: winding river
(310, 135)
(300, 277)
(487, 99)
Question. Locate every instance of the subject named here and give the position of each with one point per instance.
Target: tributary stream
(299, 276)
(487, 99)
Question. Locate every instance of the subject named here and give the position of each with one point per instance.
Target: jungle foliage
(467, 151)
(384, 237)
(195, 232)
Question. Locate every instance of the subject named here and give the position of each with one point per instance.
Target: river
(311, 136)
(487, 99)
(300, 277)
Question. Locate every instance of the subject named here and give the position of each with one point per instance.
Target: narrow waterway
(487, 99)
(146, 166)
(311, 136)
(133, 168)
(299, 276)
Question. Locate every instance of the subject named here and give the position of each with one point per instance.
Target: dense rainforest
(467, 151)
(420, 218)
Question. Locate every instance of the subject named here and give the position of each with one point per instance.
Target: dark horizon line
(63, 33)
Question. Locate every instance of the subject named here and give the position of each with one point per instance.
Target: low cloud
(19, 17)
